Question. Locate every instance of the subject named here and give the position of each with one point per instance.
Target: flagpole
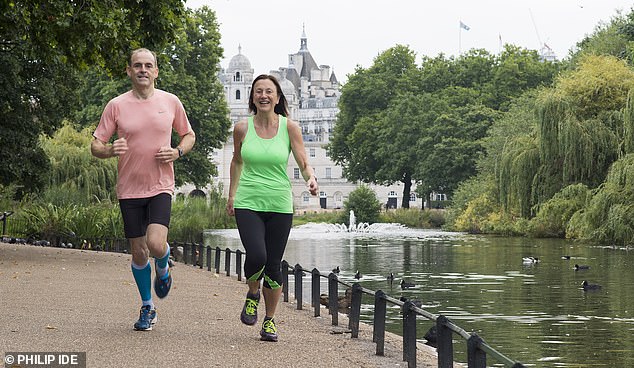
(459, 40)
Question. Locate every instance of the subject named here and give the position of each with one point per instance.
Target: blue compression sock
(143, 277)
(161, 263)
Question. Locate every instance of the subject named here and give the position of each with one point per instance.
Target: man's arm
(187, 143)
(101, 149)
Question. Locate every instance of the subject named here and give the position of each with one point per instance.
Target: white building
(312, 92)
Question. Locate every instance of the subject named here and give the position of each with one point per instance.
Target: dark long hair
(282, 106)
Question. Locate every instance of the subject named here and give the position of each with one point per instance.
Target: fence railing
(202, 256)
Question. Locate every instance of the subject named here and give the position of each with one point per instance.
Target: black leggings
(264, 236)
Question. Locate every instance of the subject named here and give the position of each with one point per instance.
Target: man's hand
(119, 147)
(167, 154)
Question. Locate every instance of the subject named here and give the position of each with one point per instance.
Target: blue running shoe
(249, 315)
(163, 284)
(269, 331)
(147, 319)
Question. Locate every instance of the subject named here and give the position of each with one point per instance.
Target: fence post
(380, 310)
(200, 255)
(444, 343)
(298, 272)
(209, 258)
(285, 267)
(228, 261)
(333, 295)
(355, 309)
(239, 264)
(476, 358)
(193, 253)
(217, 260)
(409, 334)
(316, 290)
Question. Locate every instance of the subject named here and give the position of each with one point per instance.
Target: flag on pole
(464, 26)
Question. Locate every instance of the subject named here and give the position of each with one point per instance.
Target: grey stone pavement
(66, 300)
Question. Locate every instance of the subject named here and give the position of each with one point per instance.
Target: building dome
(239, 62)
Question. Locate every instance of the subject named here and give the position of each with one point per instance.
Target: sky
(348, 33)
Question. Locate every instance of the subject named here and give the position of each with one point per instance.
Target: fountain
(353, 227)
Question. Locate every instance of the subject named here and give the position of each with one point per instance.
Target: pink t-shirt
(147, 126)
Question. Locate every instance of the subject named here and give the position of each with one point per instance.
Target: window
(305, 197)
(328, 173)
(296, 173)
(312, 152)
(412, 197)
(237, 94)
(391, 194)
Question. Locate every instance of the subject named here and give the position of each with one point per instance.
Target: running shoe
(147, 319)
(163, 284)
(269, 331)
(249, 315)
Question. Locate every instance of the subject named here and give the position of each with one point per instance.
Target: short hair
(282, 106)
(142, 49)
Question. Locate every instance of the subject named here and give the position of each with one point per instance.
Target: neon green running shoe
(269, 331)
(249, 315)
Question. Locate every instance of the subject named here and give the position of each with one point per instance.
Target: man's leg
(160, 250)
(142, 272)
(159, 212)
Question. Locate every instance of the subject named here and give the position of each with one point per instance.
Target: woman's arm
(299, 152)
(239, 131)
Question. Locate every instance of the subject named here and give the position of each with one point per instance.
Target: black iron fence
(202, 256)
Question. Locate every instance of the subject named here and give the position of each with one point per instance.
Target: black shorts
(138, 213)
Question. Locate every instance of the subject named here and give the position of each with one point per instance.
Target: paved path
(63, 300)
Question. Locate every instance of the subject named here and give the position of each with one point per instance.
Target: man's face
(142, 70)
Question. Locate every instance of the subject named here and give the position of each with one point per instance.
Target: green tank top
(264, 184)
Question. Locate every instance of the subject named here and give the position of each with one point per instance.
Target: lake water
(537, 314)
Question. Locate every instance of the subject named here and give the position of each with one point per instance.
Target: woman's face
(265, 95)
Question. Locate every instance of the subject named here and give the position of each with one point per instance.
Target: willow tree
(609, 216)
(75, 173)
(581, 131)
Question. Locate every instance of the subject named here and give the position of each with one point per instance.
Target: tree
(365, 205)
(363, 140)
(44, 43)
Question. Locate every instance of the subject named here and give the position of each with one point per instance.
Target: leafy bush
(553, 216)
(364, 203)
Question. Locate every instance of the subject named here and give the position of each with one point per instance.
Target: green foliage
(414, 217)
(48, 221)
(598, 84)
(554, 215)
(364, 203)
(399, 123)
(76, 175)
(608, 216)
(613, 38)
(470, 189)
(326, 217)
(475, 215)
(192, 215)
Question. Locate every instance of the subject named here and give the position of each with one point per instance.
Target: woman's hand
(230, 210)
(313, 186)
